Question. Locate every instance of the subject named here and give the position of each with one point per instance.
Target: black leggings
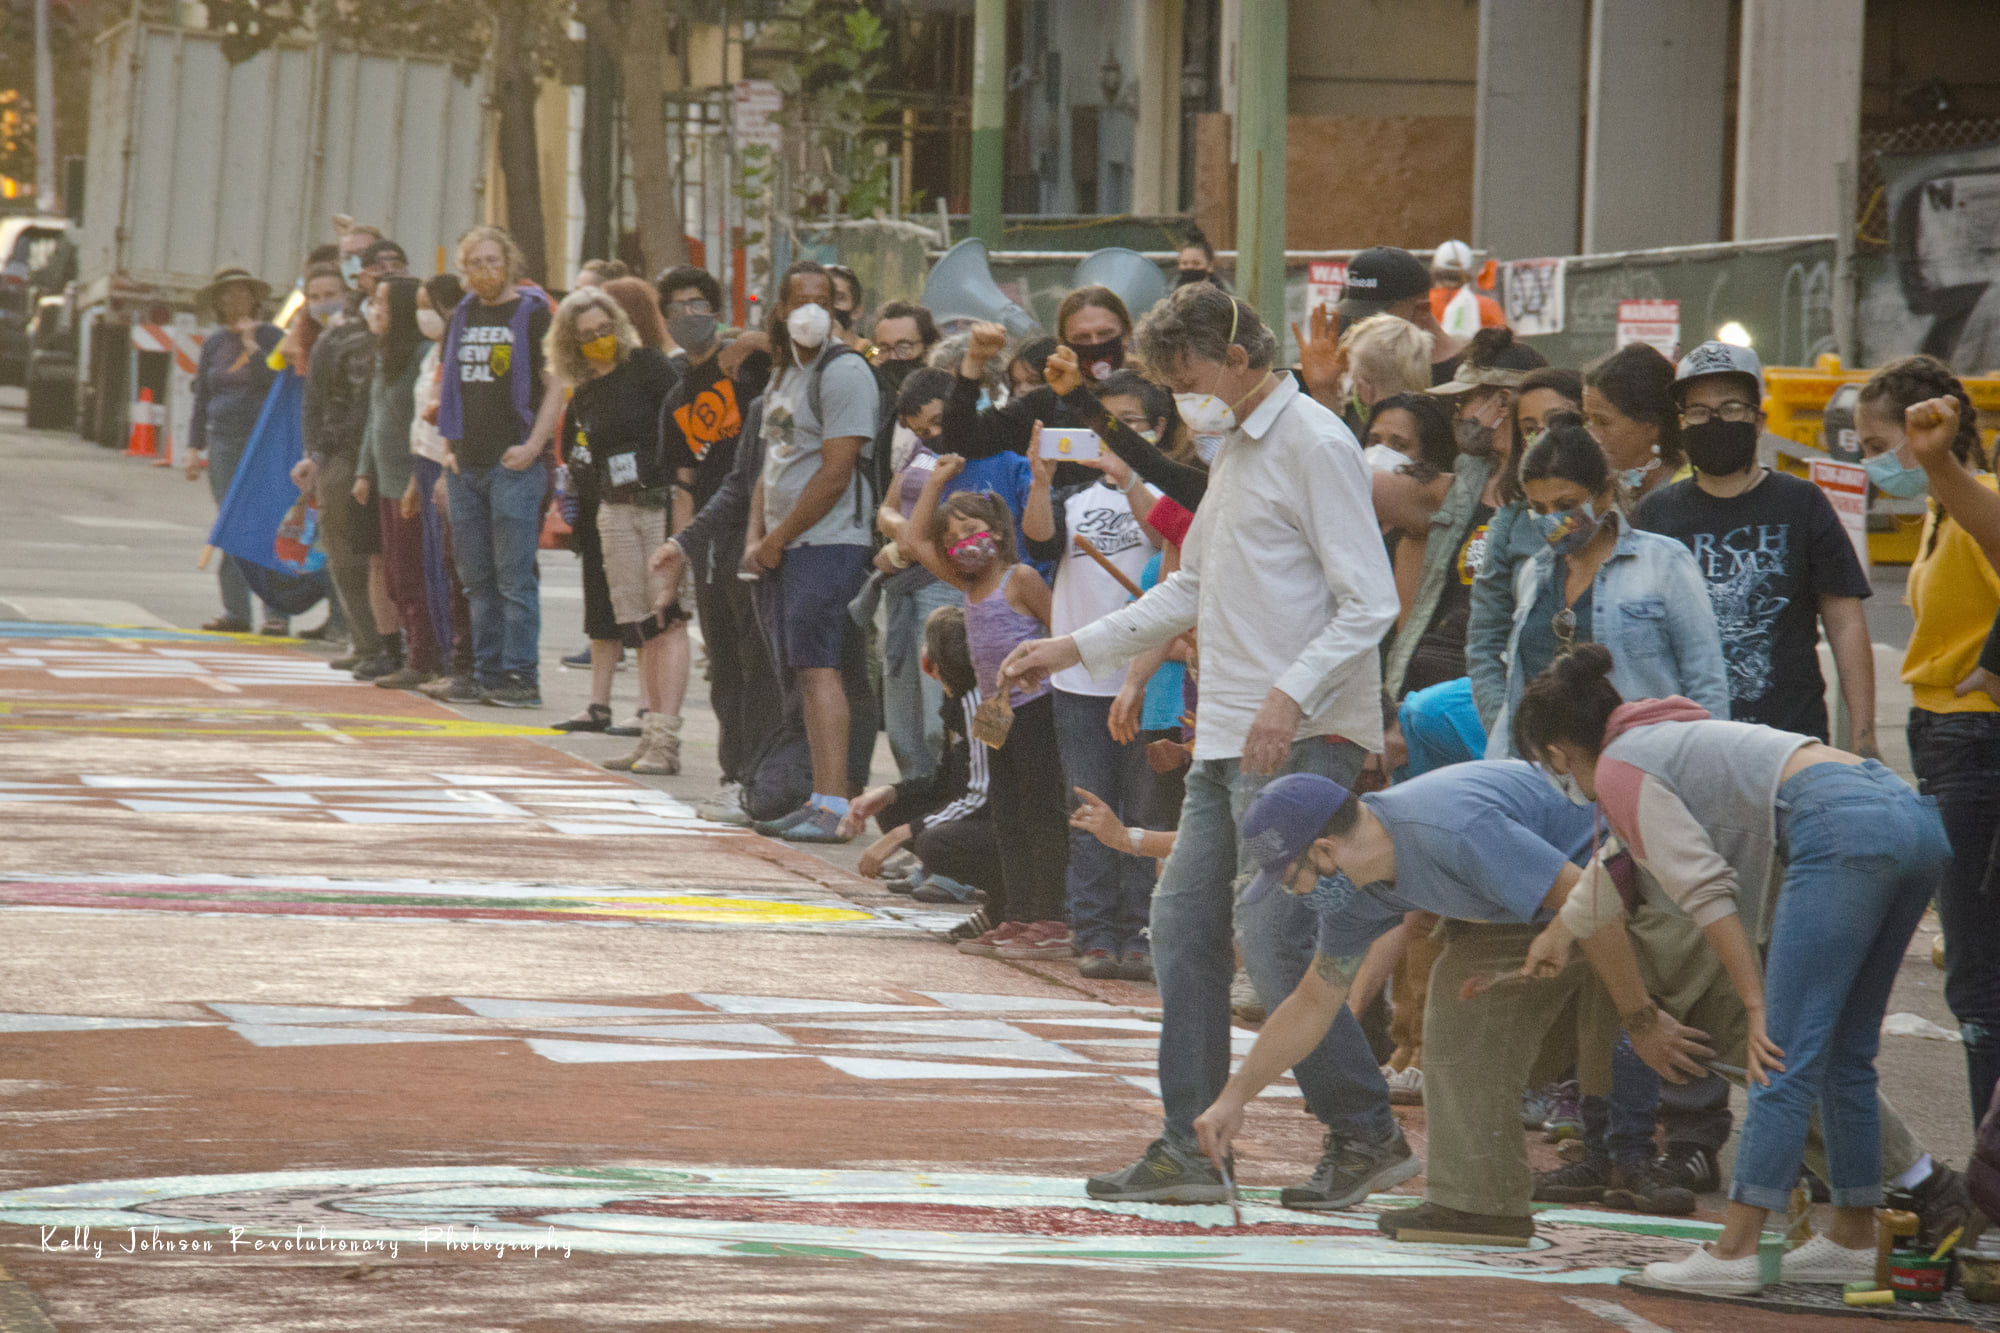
(1031, 816)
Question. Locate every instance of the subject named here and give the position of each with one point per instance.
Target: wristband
(1640, 1021)
(1137, 837)
(1130, 482)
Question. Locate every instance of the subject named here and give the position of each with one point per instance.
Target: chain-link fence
(1871, 227)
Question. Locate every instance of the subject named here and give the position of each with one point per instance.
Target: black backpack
(868, 487)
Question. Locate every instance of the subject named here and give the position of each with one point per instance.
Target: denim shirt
(1510, 542)
(1449, 525)
(1649, 605)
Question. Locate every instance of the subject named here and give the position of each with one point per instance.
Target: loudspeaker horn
(1135, 278)
(961, 287)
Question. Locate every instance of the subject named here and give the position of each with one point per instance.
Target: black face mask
(1193, 275)
(844, 318)
(1099, 361)
(891, 374)
(1720, 448)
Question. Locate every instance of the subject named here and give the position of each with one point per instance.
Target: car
(37, 258)
(51, 375)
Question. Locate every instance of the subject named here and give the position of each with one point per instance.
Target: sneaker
(988, 944)
(1565, 1122)
(319, 633)
(1163, 1175)
(1041, 939)
(1434, 1224)
(1136, 965)
(1639, 1187)
(1537, 1105)
(1099, 965)
(1406, 1086)
(1940, 1202)
(725, 807)
(514, 691)
(1702, 1271)
(347, 662)
(578, 661)
(943, 889)
(775, 828)
(1350, 1170)
(408, 678)
(1690, 1166)
(461, 690)
(378, 666)
(903, 888)
(819, 825)
(1244, 1006)
(1579, 1182)
(1820, 1260)
(969, 929)
(226, 625)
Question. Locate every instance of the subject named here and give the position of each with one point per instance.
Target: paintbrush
(1473, 987)
(1236, 1208)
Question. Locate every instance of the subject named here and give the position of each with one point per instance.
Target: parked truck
(195, 163)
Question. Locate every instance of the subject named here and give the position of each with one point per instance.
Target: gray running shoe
(1349, 1171)
(515, 690)
(1163, 1175)
(463, 690)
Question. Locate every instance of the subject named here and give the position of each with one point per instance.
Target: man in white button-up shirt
(1285, 575)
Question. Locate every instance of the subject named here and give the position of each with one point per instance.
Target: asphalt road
(589, 1064)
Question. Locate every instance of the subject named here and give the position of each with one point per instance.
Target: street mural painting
(764, 1214)
(940, 1036)
(180, 721)
(568, 804)
(430, 900)
(156, 661)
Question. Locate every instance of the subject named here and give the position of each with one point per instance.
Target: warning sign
(1845, 486)
(1324, 284)
(1656, 323)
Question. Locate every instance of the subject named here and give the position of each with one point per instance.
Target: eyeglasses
(1700, 414)
(694, 307)
(485, 266)
(907, 350)
(1563, 626)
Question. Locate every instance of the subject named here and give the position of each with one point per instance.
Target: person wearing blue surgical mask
(1599, 580)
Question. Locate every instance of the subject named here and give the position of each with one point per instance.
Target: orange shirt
(1490, 314)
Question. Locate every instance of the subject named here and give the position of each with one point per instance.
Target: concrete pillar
(1798, 113)
(1529, 137)
(1652, 171)
(1156, 148)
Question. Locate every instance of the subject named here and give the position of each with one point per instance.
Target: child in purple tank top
(968, 542)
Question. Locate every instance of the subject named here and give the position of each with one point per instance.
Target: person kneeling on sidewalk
(1494, 849)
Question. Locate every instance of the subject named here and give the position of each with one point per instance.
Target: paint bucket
(1770, 1257)
(1979, 1274)
(1918, 1277)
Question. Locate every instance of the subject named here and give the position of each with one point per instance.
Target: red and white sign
(1324, 284)
(1656, 323)
(1845, 486)
(752, 104)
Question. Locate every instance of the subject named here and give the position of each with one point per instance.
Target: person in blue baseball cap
(1492, 846)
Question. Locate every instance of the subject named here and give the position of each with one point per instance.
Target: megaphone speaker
(1137, 279)
(961, 286)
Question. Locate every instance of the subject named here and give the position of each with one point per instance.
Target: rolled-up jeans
(1862, 853)
(1195, 907)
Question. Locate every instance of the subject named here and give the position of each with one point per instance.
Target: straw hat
(228, 273)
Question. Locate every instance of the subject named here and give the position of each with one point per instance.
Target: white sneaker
(1820, 1260)
(1406, 1086)
(725, 807)
(1702, 1271)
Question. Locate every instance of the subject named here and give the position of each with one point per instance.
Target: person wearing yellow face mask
(611, 432)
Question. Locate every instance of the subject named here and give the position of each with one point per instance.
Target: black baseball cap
(381, 251)
(1378, 278)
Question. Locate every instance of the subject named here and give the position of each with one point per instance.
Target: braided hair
(1903, 384)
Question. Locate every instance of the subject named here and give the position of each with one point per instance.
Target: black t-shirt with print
(1440, 654)
(614, 420)
(702, 418)
(1768, 555)
(486, 355)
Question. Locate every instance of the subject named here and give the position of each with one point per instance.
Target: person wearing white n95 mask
(808, 325)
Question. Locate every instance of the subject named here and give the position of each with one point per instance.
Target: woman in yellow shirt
(1918, 434)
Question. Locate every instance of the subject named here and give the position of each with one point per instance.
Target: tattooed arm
(1287, 1038)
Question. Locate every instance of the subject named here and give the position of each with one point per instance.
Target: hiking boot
(1136, 965)
(1099, 965)
(1163, 1175)
(1640, 1187)
(1690, 1166)
(819, 825)
(725, 807)
(1406, 1086)
(408, 678)
(460, 690)
(1579, 1182)
(515, 690)
(1434, 1224)
(1041, 939)
(662, 745)
(1350, 1170)
(1940, 1202)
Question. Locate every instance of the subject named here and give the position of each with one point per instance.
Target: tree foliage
(839, 52)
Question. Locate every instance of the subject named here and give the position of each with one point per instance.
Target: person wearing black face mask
(1777, 562)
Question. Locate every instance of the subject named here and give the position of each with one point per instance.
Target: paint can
(1914, 1276)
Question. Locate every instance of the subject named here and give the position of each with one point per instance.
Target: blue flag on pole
(264, 521)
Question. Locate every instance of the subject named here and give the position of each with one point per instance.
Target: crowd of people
(1383, 679)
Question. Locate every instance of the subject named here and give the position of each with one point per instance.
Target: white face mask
(1566, 784)
(1381, 458)
(1205, 414)
(431, 324)
(808, 325)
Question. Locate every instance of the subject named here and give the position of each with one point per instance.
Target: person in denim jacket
(1599, 580)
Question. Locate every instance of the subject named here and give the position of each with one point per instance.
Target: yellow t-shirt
(1955, 593)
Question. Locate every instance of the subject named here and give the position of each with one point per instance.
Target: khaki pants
(1408, 988)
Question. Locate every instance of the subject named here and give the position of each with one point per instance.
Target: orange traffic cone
(144, 441)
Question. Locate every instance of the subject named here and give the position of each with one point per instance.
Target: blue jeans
(1194, 907)
(1109, 892)
(1862, 854)
(496, 524)
(1957, 759)
(910, 699)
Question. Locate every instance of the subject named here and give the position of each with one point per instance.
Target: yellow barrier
(1795, 408)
